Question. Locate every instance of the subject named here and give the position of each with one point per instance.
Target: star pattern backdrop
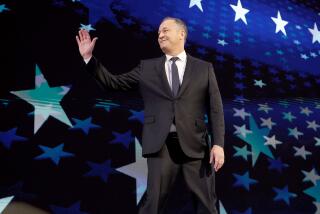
(66, 146)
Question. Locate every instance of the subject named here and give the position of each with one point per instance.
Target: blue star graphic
(84, 125)
(244, 180)
(73, 209)
(103, 170)
(256, 140)
(240, 86)
(137, 115)
(99, 9)
(53, 153)
(283, 194)
(8, 137)
(125, 138)
(239, 75)
(277, 164)
(239, 66)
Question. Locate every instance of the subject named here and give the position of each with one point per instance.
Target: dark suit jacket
(198, 94)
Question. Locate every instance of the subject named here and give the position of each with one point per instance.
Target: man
(177, 90)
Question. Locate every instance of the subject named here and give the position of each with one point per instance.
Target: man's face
(171, 36)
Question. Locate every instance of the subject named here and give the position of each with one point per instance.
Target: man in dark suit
(177, 90)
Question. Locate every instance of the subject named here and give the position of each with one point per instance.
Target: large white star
(240, 12)
(46, 101)
(197, 3)
(4, 202)
(315, 33)
(280, 24)
(137, 170)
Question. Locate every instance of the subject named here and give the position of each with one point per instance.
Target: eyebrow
(165, 28)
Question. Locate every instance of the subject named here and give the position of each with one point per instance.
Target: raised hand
(85, 44)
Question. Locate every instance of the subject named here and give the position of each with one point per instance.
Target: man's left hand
(217, 157)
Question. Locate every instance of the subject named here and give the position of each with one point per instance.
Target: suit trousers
(163, 168)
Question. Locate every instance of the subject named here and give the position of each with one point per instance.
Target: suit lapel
(162, 75)
(187, 75)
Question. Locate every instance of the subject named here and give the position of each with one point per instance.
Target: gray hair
(180, 23)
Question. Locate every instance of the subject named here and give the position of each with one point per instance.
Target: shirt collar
(182, 56)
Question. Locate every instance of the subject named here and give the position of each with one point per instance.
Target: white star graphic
(313, 125)
(306, 111)
(240, 12)
(242, 130)
(315, 33)
(259, 83)
(272, 141)
(197, 3)
(267, 122)
(137, 170)
(311, 176)
(301, 152)
(280, 24)
(240, 113)
(295, 132)
(222, 42)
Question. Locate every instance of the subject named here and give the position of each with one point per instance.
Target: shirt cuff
(87, 60)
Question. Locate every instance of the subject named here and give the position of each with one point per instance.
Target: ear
(182, 34)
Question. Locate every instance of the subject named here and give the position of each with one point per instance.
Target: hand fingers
(218, 162)
(86, 34)
(80, 35)
(94, 41)
(211, 157)
(78, 40)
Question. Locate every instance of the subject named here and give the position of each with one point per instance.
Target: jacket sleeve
(216, 116)
(106, 80)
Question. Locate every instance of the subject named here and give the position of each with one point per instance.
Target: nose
(160, 35)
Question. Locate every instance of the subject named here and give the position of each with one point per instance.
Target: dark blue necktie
(175, 76)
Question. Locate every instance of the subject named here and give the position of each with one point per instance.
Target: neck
(175, 52)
